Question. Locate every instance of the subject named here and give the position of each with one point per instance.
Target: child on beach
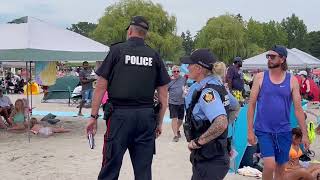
(37, 128)
(18, 116)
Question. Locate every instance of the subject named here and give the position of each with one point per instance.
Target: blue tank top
(273, 106)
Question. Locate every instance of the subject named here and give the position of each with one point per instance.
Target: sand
(68, 156)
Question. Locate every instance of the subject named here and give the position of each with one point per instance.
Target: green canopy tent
(35, 40)
(62, 89)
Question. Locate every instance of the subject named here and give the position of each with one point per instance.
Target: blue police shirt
(209, 105)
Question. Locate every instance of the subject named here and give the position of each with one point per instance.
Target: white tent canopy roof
(37, 40)
(296, 59)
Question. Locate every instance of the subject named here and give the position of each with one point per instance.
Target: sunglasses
(272, 56)
(176, 71)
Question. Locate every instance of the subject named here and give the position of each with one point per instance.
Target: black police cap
(203, 57)
(139, 21)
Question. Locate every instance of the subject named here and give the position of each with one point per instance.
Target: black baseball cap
(139, 21)
(203, 57)
(281, 50)
(237, 59)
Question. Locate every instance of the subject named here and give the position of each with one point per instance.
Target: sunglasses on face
(176, 71)
(272, 56)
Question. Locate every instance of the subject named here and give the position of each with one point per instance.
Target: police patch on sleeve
(208, 97)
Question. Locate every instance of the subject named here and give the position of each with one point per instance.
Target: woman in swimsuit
(294, 164)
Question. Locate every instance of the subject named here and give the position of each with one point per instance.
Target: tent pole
(28, 113)
(31, 88)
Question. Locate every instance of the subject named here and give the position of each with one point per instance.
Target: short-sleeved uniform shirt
(86, 74)
(105, 70)
(209, 105)
(175, 88)
(236, 75)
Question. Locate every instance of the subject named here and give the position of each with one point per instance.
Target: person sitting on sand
(2, 124)
(18, 117)
(295, 152)
(5, 107)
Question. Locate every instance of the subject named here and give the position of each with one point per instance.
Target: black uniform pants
(213, 169)
(132, 129)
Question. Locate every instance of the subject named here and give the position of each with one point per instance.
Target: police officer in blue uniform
(207, 103)
(131, 73)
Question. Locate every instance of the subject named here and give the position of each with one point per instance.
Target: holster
(187, 128)
(156, 108)
(108, 110)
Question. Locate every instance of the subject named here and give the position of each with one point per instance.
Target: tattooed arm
(218, 126)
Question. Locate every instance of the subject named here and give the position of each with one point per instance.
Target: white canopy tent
(36, 40)
(296, 59)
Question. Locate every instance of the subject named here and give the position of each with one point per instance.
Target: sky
(191, 14)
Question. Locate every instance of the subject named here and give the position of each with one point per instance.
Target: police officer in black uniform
(131, 73)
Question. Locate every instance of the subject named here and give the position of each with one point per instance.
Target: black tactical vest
(133, 77)
(218, 146)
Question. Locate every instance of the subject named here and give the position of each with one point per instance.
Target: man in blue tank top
(273, 91)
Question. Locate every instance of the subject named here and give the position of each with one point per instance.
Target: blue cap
(281, 50)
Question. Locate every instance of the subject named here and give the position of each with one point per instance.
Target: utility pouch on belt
(156, 108)
(187, 131)
(108, 109)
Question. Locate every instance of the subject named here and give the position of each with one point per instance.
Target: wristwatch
(196, 141)
(95, 116)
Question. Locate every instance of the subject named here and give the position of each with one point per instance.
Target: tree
(313, 45)
(274, 34)
(187, 42)
(255, 32)
(162, 33)
(225, 36)
(83, 28)
(296, 32)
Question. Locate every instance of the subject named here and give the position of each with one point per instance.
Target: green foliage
(313, 43)
(187, 42)
(255, 32)
(274, 34)
(225, 36)
(162, 32)
(296, 31)
(83, 28)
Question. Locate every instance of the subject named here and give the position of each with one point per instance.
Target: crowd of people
(12, 83)
(126, 84)
(207, 103)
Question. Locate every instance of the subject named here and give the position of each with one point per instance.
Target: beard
(273, 66)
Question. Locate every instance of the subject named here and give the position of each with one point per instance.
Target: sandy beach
(67, 156)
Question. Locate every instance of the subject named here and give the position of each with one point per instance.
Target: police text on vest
(137, 60)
